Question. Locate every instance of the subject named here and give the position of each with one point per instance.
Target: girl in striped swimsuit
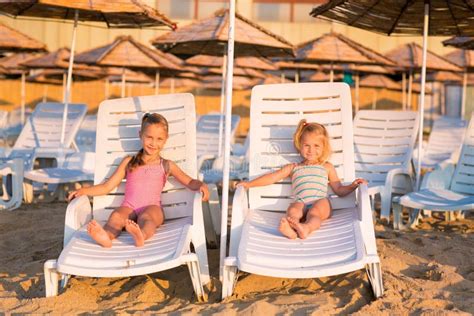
(146, 173)
(310, 179)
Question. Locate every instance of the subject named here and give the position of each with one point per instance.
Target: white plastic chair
(40, 138)
(117, 136)
(85, 137)
(445, 140)
(443, 190)
(383, 147)
(346, 241)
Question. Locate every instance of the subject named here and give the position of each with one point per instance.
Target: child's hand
(75, 194)
(204, 191)
(355, 184)
(243, 184)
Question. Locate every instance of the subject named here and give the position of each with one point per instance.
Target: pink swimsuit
(144, 186)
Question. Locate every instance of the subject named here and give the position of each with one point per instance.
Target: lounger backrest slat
(275, 113)
(463, 179)
(207, 137)
(118, 128)
(446, 136)
(43, 127)
(383, 140)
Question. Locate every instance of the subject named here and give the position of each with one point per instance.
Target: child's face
(153, 138)
(311, 146)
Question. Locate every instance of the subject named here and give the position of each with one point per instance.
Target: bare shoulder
(328, 166)
(126, 160)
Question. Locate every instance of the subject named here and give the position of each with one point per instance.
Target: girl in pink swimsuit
(146, 173)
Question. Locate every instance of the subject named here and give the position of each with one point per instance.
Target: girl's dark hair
(147, 119)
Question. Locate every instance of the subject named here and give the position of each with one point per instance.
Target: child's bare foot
(99, 234)
(133, 229)
(301, 229)
(286, 229)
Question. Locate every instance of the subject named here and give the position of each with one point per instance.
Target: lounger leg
(374, 274)
(64, 280)
(215, 207)
(228, 280)
(415, 215)
(28, 194)
(51, 278)
(397, 214)
(386, 201)
(195, 274)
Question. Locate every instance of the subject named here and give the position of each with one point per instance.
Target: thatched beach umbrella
(13, 41)
(413, 17)
(125, 52)
(464, 59)
(409, 59)
(258, 63)
(118, 14)
(379, 82)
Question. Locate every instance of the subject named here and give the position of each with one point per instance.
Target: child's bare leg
(295, 210)
(104, 235)
(320, 211)
(147, 222)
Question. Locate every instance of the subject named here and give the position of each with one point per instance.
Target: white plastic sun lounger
(443, 191)
(383, 147)
(346, 241)
(117, 136)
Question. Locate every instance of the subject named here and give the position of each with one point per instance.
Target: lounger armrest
(366, 221)
(78, 213)
(389, 181)
(439, 178)
(58, 153)
(202, 159)
(239, 212)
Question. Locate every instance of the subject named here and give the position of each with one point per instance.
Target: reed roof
(14, 63)
(244, 62)
(209, 37)
(463, 42)
(180, 83)
(453, 17)
(321, 76)
(380, 82)
(12, 40)
(462, 57)
(56, 76)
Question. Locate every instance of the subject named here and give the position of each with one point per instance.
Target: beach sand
(426, 271)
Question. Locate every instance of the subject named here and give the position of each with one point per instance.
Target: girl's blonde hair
(147, 119)
(319, 130)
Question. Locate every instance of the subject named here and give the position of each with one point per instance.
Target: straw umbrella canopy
(13, 41)
(117, 14)
(238, 82)
(180, 83)
(412, 17)
(125, 52)
(464, 59)
(463, 42)
(258, 63)
(379, 82)
(409, 57)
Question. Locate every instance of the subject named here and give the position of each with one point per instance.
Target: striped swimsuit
(309, 183)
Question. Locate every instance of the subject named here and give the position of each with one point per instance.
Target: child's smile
(153, 139)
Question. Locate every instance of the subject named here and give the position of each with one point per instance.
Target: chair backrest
(383, 140)
(118, 125)
(446, 137)
(85, 137)
(463, 179)
(274, 114)
(43, 127)
(208, 133)
(3, 119)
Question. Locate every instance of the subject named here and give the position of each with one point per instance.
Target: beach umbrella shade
(118, 14)
(211, 35)
(250, 62)
(409, 59)
(464, 58)
(378, 82)
(125, 52)
(409, 17)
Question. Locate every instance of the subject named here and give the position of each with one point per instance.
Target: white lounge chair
(117, 136)
(443, 190)
(40, 138)
(445, 140)
(85, 137)
(383, 147)
(346, 241)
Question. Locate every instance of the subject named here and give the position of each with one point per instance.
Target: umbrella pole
(297, 76)
(221, 112)
(64, 86)
(122, 93)
(282, 77)
(157, 82)
(404, 91)
(464, 90)
(374, 99)
(172, 85)
(443, 99)
(107, 87)
(357, 93)
(228, 112)
(422, 95)
(69, 75)
(45, 93)
(23, 97)
(410, 88)
(331, 74)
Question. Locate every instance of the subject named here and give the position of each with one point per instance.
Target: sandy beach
(426, 271)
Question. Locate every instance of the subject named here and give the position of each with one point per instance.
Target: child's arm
(335, 182)
(190, 183)
(269, 178)
(107, 186)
